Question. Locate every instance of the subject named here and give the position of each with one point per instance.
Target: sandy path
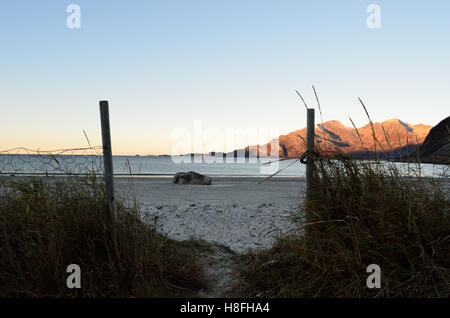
(232, 215)
(235, 212)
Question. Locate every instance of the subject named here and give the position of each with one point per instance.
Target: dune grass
(47, 224)
(361, 213)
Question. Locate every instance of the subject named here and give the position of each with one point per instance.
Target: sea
(147, 166)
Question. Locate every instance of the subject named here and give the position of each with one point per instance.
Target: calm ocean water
(39, 164)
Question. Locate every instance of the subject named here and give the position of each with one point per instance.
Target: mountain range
(392, 139)
(395, 140)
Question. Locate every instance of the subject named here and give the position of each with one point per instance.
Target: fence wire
(75, 161)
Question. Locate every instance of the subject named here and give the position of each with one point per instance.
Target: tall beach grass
(48, 223)
(360, 213)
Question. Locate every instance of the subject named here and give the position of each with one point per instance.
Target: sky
(164, 65)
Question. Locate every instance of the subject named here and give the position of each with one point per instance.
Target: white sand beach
(234, 211)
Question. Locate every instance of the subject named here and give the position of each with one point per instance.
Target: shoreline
(147, 175)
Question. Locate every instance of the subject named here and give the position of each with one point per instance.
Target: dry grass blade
(85, 135)
(278, 160)
(365, 109)
(274, 174)
(357, 132)
(375, 139)
(303, 139)
(318, 104)
(386, 136)
(320, 112)
(304, 103)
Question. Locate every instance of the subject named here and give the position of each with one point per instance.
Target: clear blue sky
(230, 63)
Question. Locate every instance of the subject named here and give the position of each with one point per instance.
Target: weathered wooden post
(309, 159)
(107, 158)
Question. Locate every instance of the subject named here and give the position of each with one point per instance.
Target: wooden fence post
(309, 161)
(107, 158)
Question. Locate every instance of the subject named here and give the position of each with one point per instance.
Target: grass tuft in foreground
(46, 225)
(362, 213)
